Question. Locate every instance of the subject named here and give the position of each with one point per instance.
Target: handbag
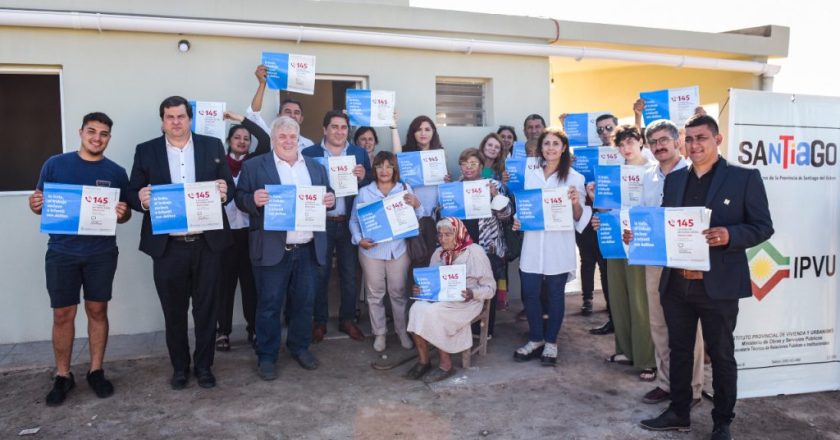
(513, 239)
(421, 247)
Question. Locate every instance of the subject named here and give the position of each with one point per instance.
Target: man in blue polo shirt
(76, 261)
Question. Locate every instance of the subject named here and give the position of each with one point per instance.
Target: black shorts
(67, 274)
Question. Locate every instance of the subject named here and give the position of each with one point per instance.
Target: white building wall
(126, 75)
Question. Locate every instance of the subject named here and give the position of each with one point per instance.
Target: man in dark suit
(185, 266)
(740, 220)
(283, 261)
(334, 143)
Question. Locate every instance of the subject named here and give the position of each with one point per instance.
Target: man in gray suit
(283, 261)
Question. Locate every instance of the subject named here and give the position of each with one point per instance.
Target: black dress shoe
(667, 421)
(721, 432)
(61, 386)
(205, 378)
(179, 379)
(605, 329)
(307, 360)
(586, 308)
(101, 386)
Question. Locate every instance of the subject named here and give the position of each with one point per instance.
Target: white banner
(786, 340)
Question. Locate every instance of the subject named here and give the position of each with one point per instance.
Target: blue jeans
(555, 288)
(338, 240)
(294, 274)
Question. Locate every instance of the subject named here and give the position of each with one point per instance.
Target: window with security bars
(459, 102)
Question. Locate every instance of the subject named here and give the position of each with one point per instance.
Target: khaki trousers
(382, 275)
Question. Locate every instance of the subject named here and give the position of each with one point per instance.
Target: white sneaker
(379, 343)
(405, 340)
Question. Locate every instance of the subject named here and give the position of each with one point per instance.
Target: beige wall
(126, 75)
(616, 89)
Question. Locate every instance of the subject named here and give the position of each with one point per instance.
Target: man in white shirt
(289, 107)
(185, 265)
(284, 262)
(663, 138)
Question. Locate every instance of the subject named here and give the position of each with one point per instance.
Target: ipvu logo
(768, 267)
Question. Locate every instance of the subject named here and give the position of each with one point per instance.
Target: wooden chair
(481, 348)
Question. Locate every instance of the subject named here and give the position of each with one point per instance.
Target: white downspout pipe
(112, 22)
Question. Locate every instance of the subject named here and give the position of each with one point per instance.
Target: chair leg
(482, 341)
(466, 356)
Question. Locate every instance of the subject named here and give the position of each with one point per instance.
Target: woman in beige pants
(385, 265)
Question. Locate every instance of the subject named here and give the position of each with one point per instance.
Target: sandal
(648, 375)
(438, 375)
(417, 371)
(222, 343)
(619, 358)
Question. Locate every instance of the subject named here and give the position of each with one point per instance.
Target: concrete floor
(582, 398)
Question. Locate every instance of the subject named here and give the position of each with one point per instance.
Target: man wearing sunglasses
(587, 241)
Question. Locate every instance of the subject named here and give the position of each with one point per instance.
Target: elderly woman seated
(446, 325)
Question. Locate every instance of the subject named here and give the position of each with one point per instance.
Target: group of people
(654, 312)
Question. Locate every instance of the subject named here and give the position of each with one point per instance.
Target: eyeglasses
(661, 141)
(384, 167)
(607, 128)
(470, 164)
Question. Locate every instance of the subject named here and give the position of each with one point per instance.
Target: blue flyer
(676, 105)
(671, 237)
(288, 71)
(648, 244)
(519, 151)
(60, 212)
(411, 168)
(465, 200)
(279, 212)
(168, 209)
(607, 187)
(388, 219)
(422, 168)
(278, 70)
(544, 209)
(79, 210)
(373, 108)
(610, 235)
(581, 129)
(516, 171)
(441, 283)
(451, 199)
(585, 161)
(357, 104)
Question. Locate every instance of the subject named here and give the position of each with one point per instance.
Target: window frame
(485, 83)
(35, 70)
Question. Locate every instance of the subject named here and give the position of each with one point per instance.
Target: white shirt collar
(278, 160)
(187, 146)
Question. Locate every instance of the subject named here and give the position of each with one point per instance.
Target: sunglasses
(608, 129)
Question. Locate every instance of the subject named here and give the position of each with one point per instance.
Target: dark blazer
(151, 167)
(362, 158)
(738, 201)
(267, 248)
